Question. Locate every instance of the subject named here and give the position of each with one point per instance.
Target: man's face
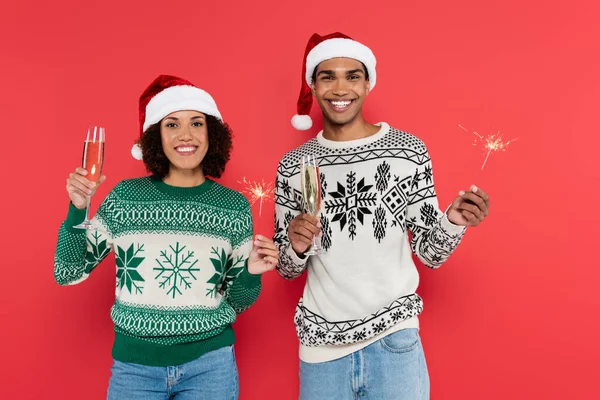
(340, 88)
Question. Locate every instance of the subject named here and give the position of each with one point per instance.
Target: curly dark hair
(213, 164)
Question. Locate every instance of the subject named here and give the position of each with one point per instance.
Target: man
(357, 319)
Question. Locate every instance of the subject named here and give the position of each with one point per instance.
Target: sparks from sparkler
(490, 143)
(257, 191)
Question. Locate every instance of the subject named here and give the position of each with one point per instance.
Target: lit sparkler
(257, 191)
(490, 143)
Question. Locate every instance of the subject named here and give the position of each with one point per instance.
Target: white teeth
(340, 104)
(185, 149)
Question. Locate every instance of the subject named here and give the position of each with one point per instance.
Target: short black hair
(213, 164)
(314, 74)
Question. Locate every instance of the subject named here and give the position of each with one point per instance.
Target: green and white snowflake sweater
(375, 191)
(181, 266)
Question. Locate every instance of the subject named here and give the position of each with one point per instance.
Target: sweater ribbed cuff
(75, 216)
(295, 258)
(248, 280)
(450, 228)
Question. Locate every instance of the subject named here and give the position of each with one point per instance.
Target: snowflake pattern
(359, 335)
(127, 273)
(428, 174)
(99, 250)
(379, 223)
(288, 218)
(284, 185)
(379, 327)
(176, 269)
(226, 270)
(320, 334)
(350, 202)
(323, 185)
(326, 231)
(418, 177)
(315, 330)
(429, 214)
(339, 338)
(382, 177)
(397, 316)
(280, 235)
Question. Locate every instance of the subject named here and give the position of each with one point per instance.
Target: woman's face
(184, 137)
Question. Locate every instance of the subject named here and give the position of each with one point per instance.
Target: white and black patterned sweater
(374, 191)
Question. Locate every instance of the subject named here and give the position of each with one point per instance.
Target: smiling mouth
(340, 105)
(186, 150)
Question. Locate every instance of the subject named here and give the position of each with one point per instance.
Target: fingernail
(461, 193)
(474, 189)
(319, 225)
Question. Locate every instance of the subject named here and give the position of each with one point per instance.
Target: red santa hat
(168, 94)
(319, 49)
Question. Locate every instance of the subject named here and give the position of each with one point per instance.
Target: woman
(186, 264)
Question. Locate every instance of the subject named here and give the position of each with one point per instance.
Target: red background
(513, 314)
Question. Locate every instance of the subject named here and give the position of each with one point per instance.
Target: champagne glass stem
(87, 208)
(86, 223)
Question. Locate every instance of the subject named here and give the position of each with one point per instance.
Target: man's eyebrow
(326, 72)
(354, 71)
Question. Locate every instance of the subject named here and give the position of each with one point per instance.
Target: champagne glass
(93, 160)
(311, 194)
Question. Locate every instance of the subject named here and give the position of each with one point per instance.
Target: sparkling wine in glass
(311, 194)
(93, 160)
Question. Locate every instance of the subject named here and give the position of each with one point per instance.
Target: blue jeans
(392, 368)
(211, 376)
